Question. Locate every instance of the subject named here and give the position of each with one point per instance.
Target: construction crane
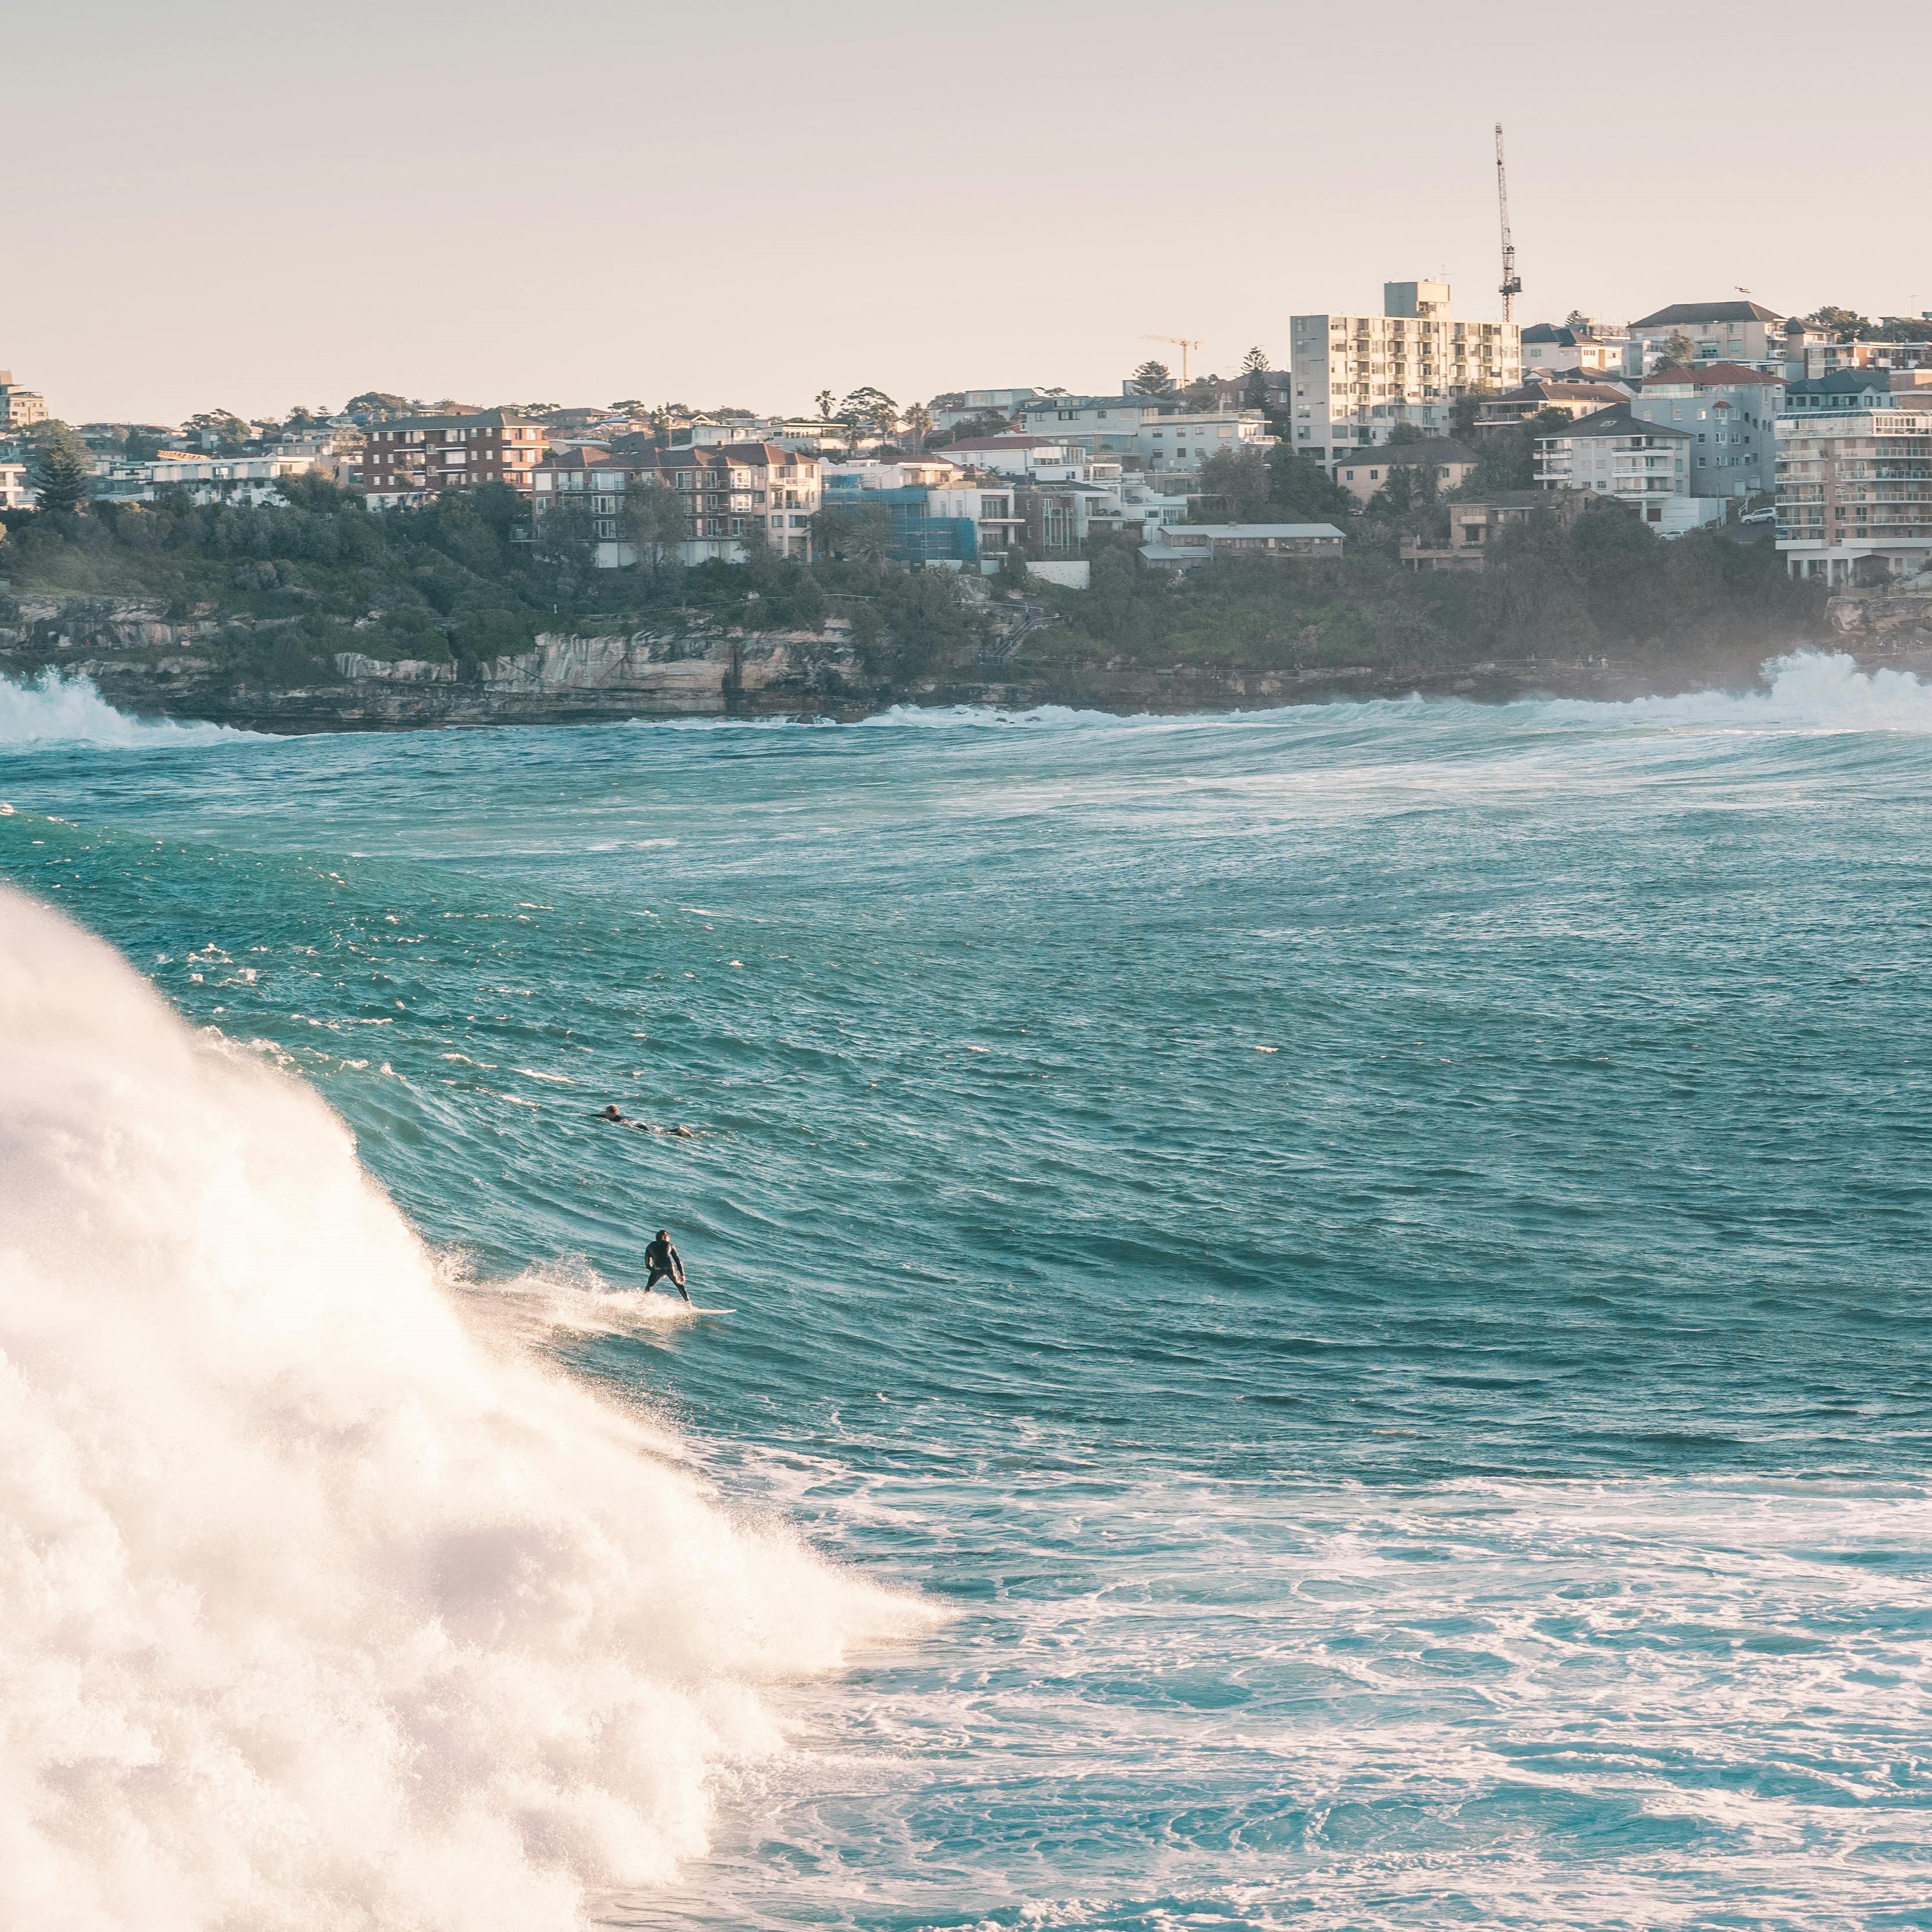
(1512, 282)
(1180, 342)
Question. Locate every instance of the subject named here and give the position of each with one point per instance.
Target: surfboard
(696, 1310)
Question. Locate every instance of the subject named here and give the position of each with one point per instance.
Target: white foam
(322, 1609)
(51, 710)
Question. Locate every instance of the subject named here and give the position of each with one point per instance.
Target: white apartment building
(1043, 459)
(1616, 454)
(1356, 376)
(1723, 332)
(15, 492)
(1183, 442)
(1854, 477)
(206, 479)
(959, 406)
(1731, 412)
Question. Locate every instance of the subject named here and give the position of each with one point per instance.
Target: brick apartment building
(727, 491)
(414, 458)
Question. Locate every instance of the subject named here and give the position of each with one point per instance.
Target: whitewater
(1331, 1319)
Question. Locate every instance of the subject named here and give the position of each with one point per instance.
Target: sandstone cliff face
(1896, 617)
(143, 661)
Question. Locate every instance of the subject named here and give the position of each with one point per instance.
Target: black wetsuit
(662, 1258)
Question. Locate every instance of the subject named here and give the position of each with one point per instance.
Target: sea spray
(320, 1611)
(55, 709)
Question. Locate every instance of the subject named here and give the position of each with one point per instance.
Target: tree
(62, 469)
(862, 535)
(1240, 476)
(1154, 379)
(919, 424)
(1254, 368)
(217, 429)
(868, 408)
(1408, 432)
(1576, 322)
(1302, 490)
(1464, 410)
(1844, 324)
(1679, 350)
(825, 399)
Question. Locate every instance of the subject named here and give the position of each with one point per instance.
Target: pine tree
(63, 469)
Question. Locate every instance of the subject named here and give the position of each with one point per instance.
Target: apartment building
(1617, 455)
(19, 409)
(1356, 376)
(1721, 331)
(958, 405)
(16, 492)
(1731, 412)
(413, 459)
(1044, 459)
(1827, 359)
(729, 491)
(255, 480)
(1854, 477)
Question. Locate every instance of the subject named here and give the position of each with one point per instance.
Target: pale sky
(249, 206)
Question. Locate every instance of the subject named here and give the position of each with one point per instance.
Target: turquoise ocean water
(1369, 1261)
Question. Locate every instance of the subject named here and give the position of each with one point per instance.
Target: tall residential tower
(1356, 376)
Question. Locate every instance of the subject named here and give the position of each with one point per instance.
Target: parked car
(1758, 516)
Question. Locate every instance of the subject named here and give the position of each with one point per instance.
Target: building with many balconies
(1618, 455)
(729, 494)
(1356, 376)
(1730, 413)
(411, 460)
(1854, 477)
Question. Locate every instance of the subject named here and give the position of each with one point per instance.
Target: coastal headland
(143, 661)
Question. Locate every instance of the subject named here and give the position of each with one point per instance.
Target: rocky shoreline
(144, 664)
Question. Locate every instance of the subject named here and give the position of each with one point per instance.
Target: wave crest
(321, 1610)
(55, 709)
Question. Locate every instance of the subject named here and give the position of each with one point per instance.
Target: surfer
(616, 1119)
(662, 1258)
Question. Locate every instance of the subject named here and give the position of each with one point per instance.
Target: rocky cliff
(142, 661)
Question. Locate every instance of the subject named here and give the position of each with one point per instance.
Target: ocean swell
(321, 1610)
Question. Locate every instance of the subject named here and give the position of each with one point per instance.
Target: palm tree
(826, 401)
(919, 423)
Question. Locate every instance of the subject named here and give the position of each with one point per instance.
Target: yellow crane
(1182, 342)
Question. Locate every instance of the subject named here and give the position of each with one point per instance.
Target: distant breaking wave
(1806, 691)
(51, 710)
(320, 1610)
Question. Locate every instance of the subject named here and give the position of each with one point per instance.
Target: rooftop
(1711, 376)
(1718, 311)
(1616, 421)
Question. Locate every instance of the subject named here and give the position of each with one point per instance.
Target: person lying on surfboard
(662, 1258)
(616, 1119)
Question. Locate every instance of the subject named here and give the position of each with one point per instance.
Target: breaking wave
(322, 1609)
(51, 710)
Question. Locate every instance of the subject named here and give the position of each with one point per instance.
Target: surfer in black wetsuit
(662, 1258)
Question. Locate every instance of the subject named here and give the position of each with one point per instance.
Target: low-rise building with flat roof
(1182, 546)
